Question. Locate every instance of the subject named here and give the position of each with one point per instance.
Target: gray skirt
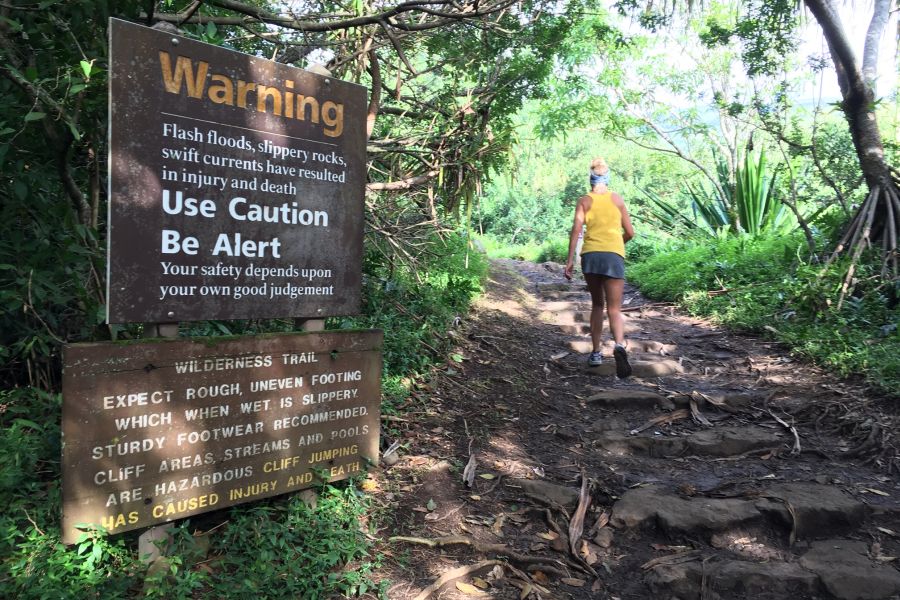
(608, 264)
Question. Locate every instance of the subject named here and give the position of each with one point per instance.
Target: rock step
(565, 286)
(638, 399)
(570, 295)
(639, 368)
(573, 328)
(837, 568)
(635, 346)
(806, 508)
(730, 579)
(717, 441)
(565, 317)
(561, 306)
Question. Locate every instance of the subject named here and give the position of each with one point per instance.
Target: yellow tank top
(603, 226)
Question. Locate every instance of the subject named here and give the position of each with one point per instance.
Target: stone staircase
(766, 538)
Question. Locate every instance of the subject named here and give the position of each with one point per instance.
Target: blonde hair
(599, 166)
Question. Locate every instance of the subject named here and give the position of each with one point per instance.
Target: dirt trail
(722, 470)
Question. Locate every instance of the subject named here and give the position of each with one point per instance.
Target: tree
(878, 218)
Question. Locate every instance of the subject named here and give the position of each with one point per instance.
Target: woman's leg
(595, 285)
(614, 289)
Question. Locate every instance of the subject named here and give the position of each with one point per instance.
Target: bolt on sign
(154, 432)
(236, 184)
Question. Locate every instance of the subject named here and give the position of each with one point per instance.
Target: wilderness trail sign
(236, 184)
(154, 432)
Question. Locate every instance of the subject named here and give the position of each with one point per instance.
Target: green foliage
(312, 553)
(416, 305)
(748, 205)
(757, 207)
(768, 284)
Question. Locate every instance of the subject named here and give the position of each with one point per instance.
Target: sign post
(158, 431)
(236, 191)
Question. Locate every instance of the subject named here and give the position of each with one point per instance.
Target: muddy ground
(724, 468)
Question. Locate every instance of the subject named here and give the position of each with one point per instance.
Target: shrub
(768, 285)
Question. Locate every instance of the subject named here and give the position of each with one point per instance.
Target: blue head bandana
(595, 179)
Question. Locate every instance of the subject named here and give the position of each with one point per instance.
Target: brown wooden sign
(236, 184)
(157, 431)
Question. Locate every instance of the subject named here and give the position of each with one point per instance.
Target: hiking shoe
(623, 369)
(595, 359)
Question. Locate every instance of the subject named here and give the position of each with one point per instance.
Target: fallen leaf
(469, 471)
(887, 531)
(475, 497)
(420, 509)
(597, 586)
(540, 577)
(874, 491)
(431, 505)
(548, 535)
(487, 476)
(480, 583)
(497, 527)
(573, 581)
(886, 558)
(526, 591)
(469, 589)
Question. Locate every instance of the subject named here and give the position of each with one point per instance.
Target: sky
(856, 16)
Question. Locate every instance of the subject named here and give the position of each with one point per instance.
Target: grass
(768, 285)
(555, 250)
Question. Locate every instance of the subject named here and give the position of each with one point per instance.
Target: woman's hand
(570, 268)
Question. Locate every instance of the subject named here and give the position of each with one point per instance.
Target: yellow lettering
(184, 70)
(244, 88)
(333, 117)
(223, 93)
(265, 91)
(312, 103)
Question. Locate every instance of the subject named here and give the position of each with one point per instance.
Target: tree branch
(879, 21)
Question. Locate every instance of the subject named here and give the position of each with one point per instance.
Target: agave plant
(757, 207)
(749, 204)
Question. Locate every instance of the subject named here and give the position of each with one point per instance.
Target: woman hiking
(603, 217)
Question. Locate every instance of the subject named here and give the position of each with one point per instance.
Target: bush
(768, 285)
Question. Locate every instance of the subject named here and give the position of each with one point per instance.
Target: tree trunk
(858, 106)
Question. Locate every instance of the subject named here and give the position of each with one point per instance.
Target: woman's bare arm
(626, 219)
(577, 225)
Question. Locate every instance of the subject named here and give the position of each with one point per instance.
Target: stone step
(632, 398)
(634, 346)
(847, 573)
(654, 506)
(731, 579)
(560, 306)
(573, 328)
(564, 286)
(575, 295)
(717, 442)
(639, 368)
(810, 508)
(835, 568)
(565, 317)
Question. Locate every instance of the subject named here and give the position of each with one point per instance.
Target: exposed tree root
(498, 549)
(454, 574)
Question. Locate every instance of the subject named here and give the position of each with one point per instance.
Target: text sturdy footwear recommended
(595, 359)
(623, 367)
